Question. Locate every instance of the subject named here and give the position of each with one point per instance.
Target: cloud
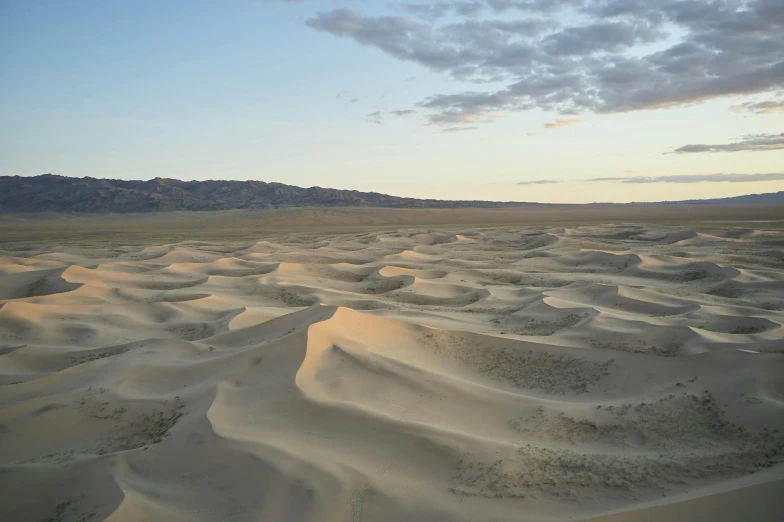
(374, 117)
(765, 107)
(428, 11)
(461, 129)
(346, 97)
(378, 116)
(434, 11)
(539, 182)
(457, 118)
(578, 56)
(544, 6)
(698, 178)
(471, 8)
(557, 124)
(563, 122)
(750, 142)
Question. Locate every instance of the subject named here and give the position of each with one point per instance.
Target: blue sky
(305, 93)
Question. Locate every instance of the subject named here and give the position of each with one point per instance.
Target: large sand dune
(628, 373)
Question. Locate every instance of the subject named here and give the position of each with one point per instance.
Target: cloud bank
(748, 143)
(698, 178)
(576, 56)
(765, 107)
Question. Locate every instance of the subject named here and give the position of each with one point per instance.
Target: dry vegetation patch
(556, 374)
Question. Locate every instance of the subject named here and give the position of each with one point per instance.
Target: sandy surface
(248, 225)
(630, 373)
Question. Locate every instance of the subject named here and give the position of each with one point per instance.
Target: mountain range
(53, 193)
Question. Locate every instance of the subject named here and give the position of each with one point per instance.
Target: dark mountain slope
(63, 194)
(749, 199)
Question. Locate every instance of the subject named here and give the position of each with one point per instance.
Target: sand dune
(539, 373)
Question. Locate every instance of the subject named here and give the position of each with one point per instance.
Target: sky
(568, 101)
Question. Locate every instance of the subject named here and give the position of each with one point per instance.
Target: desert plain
(331, 366)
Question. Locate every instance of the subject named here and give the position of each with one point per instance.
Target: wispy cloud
(458, 119)
(539, 182)
(378, 116)
(374, 117)
(697, 178)
(563, 122)
(345, 96)
(461, 129)
(557, 124)
(764, 107)
(749, 142)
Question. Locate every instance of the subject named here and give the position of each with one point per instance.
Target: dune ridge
(607, 372)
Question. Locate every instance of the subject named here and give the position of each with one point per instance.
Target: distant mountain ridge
(52, 193)
(749, 199)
